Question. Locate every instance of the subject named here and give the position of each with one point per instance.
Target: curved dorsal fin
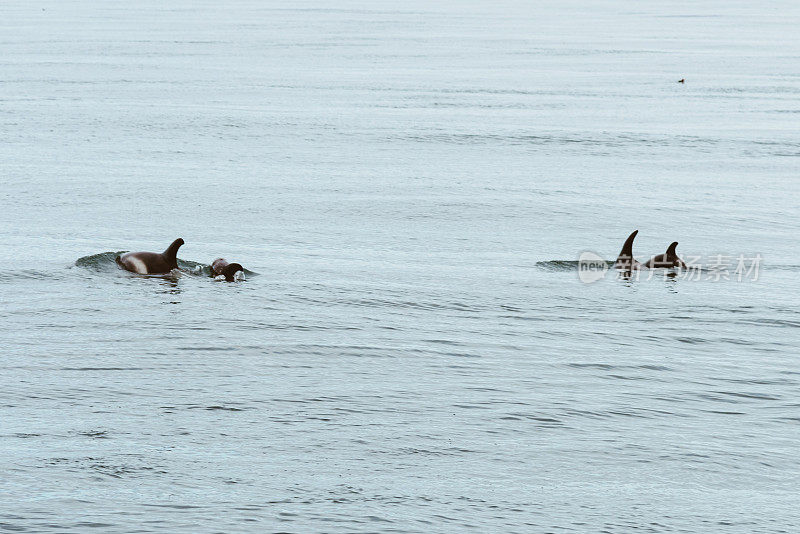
(671, 249)
(627, 248)
(171, 253)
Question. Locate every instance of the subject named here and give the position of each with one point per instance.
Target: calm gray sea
(410, 185)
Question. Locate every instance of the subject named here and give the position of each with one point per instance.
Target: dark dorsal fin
(671, 250)
(625, 259)
(627, 248)
(171, 254)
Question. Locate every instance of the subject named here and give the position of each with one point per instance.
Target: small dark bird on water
(682, 80)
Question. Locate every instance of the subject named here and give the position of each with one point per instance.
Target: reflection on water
(170, 286)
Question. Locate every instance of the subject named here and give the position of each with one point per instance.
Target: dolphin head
(231, 270)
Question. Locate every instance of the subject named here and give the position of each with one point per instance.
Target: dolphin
(151, 262)
(231, 272)
(667, 260)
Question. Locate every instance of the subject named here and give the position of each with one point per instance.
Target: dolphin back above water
(151, 262)
(232, 272)
(667, 260)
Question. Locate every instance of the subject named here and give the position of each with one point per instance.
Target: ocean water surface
(410, 186)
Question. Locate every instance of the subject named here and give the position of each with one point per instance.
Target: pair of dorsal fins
(670, 258)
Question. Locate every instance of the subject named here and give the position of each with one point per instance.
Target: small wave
(608, 143)
(560, 265)
(225, 408)
(573, 266)
(105, 261)
(790, 268)
(28, 274)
